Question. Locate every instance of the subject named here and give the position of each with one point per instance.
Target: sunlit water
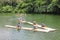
(52, 21)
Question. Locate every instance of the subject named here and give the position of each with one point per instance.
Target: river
(52, 21)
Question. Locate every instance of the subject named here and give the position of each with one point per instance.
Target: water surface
(52, 21)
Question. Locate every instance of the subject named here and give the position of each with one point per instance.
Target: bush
(7, 9)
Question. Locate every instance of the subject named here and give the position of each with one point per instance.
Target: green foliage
(52, 5)
(7, 9)
(29, 6)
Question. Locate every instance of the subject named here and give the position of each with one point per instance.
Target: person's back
(18, 26)
(20, 20)
(34, 25)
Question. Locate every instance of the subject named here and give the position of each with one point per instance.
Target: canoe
(26, 28)
(39, 26)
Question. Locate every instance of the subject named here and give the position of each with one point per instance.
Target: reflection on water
(13, 34)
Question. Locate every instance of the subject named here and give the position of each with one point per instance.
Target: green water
(52, 21)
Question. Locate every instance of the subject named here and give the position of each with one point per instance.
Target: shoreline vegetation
(30, 6)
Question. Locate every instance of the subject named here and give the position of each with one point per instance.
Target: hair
(19, 23)
(34, 23)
